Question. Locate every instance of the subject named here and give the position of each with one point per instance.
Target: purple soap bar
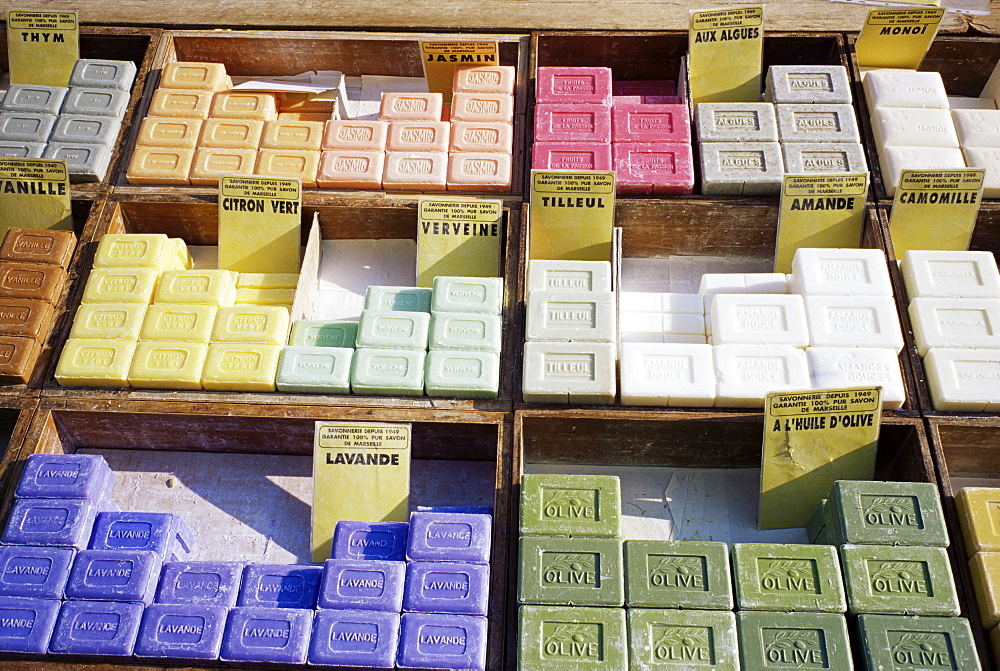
(26, 624)
(447, 587)
(163, 533)
(181, 631)
(200, 583)
(274, 635)
(370, 540)
(280, 586)
(65, 476)
(48, 522)
(363, 584)
(36, 572)
(96, 628)
(457, 537)
(471, 510)
(435, 641)
(354, 638)
(114, 575)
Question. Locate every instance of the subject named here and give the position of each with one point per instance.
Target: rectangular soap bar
(226, 133)
(178, 322)
(979, 515)
(484, 79)
(462, 374)
(479, 171)
(25, 245)
(904, 88)
(955, 322)
(251, 324)
(34, 572)
(573, 84)
(165, 534)
(200, 583)
(571, 156)
(399, 299)
(114, 575)
(902, 126)
(72, 128)
(194, 75)
(31, 281)
(321, 333)
(351, 169)
(181, 631)
(653, 168)
(85, 162)
(843, 367)
(65, 476)
(457, 537)
(103, 73)
(807, 84)
(362, 584)
(244, 105)
(479, 107)
(392, 372)
(853, 321)
(905, 642)
(26, 126)
(745, 373)
(34, 99)
(354, 539)
(681, 574)
(817, 123)
(95, 102)
(572, 122)
(789, 641)
(804, 158)
(950, 274)
(389, 329)
(209, 163)
(418, 136)
(564, 372)
(17, 358)
(160, 165)
(985, 570)
(105, 628)
(667, 374)
(977, 127)
(761, 319)
(481, 136)
(899, 580)
(24, 318)
(893, 160)
(447, 587)
(291, 163)
(677, 640)
(598, 640)
(736, 122)
(279, 586)
(963, 380)
(354, 638)
(570, 505)
(741, 168)
(660, 302)
(432, 640)
(50, 522)
(743, 283)
(551, 275)
(203, 287)
(9, 149)
(415, 171)
(315, 370)
(293, 135)
(478, 295)
(571, 316)
(840, 272)
(267, 635)
(179, 133)
(465, 331)
(357, 135)
(120, 285)
(95, 362)
(240, 367)
(162, 364)
(638, 122)
(788, 578)
(410, 107)
(132, 250)
(26, 624)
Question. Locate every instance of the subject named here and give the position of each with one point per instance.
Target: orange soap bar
(351, 169)
(415, 171)
(410, 107)
(482, 136)
(482, 107)
(356, 135)
(160, 165)
(210, 162)
(27, 318)
(484, 79)
(418, 136)
(240, 105)
(29, 245)
(193, 75)
(177, 133)
(189, 103)
(17, 359)
(34, 281)
(289, 163)
(231, 133)
(300, 135)
(474, 171)
(321, 117)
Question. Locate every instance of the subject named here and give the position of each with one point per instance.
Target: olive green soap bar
(898, 580)
(553, 638)
(888, 513)
(571, 505)
(398, 299)
(979, 516)
(682, 640)
(571, 572)
(786, 641)
(681, 574)
(321, 333)
(914, 643)
(985, 570)
(788, 578)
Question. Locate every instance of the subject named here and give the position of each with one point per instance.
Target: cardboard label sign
(812, 438)
(571, 215)
(441, 59)
(819, 211)
(897, 38)
(458, 238)
(42, 47)
(725, 54)
(34, 193)
(260, 224)
(935, 209)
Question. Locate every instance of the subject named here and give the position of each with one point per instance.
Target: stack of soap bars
(977, 510)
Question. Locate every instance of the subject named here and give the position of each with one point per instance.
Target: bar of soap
(34, 572)
(95, 362)
(65, 476)
(901, 126)
(410, 107)
(479, 107)
(131, 250)
(200, 583)
(761, 319)
(267, 635)
(251, 324)
(17, 358)
(76, 128)
(26, 624)
(678, 640)
(351, 169)
(743, 283)
(484, 79)
(415, 171)
(161, 364)
(181, 631)
(570, 505)
(160, 165)
(446, 587)
(226, 133)
(479, 171)
(393, 330)
(26, 126)
(853, 321)
(905, 642)
(120, 285)
(385, 541)
(571, 156)
(654, 168)
(455, 537)
(354, 638)
(401, 299)
(166, 322)
(789, 641)
(34, 99)
(321, 333)
(684, 574)
(362, 584)
(202, 287)
(571, 316)
(356, 135)
(50, 522)
(479, 295)
(955, 322)
(899, 580)
(432, 640)
(24, 318)
(736, 122)
(807, 84)
(823, 158)
(105, 628)
(563, 372)
(950, 274)
(418, 136)
(888, 513)
(394, 372)
(985, 570)
(31, 281)
(741, 168)
(573, 84)
(552, 275)
(904, 88)
(165, 534)
(665, 374)
(963, 380)
(745, 373)
(280, 586)
(462, 374)
(95, 102)
(893, 160)
(843, 367)
(290, 163)
(178, 133)
(465, 331)
(788, 578)
(840, 272)
(114, 575)
(240, 367)
(193, 75)
(21, 149)
(293, 135)
(244, 105)
(49, 247)
(979, 516)
(660, 302)
(482, 136)
(103, 73)
(572, 122)
(85, 162)
(315, 370)
(988, 158)
(817, 123)
(572, 638)
(632, 122)
(209, 163)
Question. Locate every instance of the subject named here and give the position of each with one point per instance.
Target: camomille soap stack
(977, 513)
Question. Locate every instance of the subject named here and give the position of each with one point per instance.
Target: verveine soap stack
(976, 513)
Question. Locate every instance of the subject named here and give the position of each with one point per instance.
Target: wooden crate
(16, 413)
(254, 464)
(115, 43)
(273, 53)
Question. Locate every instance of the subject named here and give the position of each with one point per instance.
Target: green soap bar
(682, 574)
(467, 294)
(788, 578)
(461, 331)
(914, 643)
(398, 330)
(394, 372)
(571, 572)
(462, 374)
(682, 640)
(398, 299)
(817, 522)
(781, 641)
(888, 513)
(899, 580)
(571, 505)
(315, 370)
(553, 638)
(320, 333)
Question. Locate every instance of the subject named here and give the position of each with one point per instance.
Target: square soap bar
(354, 539)
(736, 122)
(366, 638)
(178, 322)
(787, 641)
(181, 631)
(843, 367)
(432, 640)
(853, 321)
(955, 322)
(572, 122)
(977, 127)
(840, 272)
(571, 316)
(888, 513)
(34, 572)
(28, 245)
(741, 168)
(266, 325)
(107, 320)
(570, 505)
(573, 85)
(571, 571)
(546, 275)
(901, 127)
(161, 364)
(114, 575)
(76, 128)
(893, 160)
(458, 537)
(85, 162)
(571, 156)
(165, 534)
(315, 370)
(979, 515)
(398, 299)
(200, 583)
(667, 374)
(393, 372)
(950, 274)
(553, 637)
(65, 476)
(564, 372)
(681, 640)
(963, 380)
(481, 295)
(446, 587)
(680, 574)
(102, 73)
(26, 624)
(914, 642)
(807, 84)
(267, 635)
(899, 580)
(761, 319)
(462, 374)
(362, 584)
(985, 570)
(280, 586)
(95, 362)
(393, 330)
(788, 578)
(105, 628)
(820, 158)
(50, 522)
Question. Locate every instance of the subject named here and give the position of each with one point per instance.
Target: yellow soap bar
(167, 365)
(204, 287)
(178, 322)
(210, 162)
(160, 165)
(264, 296)
(91, 362)
(130, 250)
(190, 103)
(264, 324)
(244, 105)
(985, 569)
(120, 285)
(183, 253)
(121, 321)
(240, 367)
(301, 135)
(267, 281)
(979, 515)
(194, 75)
(289, 163)
(231, 133)
(177, 133)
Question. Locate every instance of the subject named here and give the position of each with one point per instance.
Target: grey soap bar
(34, 99)
(95, 102)
(817, 123)
(21, 149)
(76, 128)
(741, 168)
(807, 84)
(823, 158)
(25, 127)
(85, 162)
(736, 122)
(99, 73)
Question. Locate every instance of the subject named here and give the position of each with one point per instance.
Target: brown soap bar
(31, 281)
(22, 317)
(17, 358)
(29, 245)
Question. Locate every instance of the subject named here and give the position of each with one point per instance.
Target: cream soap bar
(963, 380)
(571, 316)
(977, 128)
(979, 515)
(660, 302)
(950, 274)
(178, 322)
(904, 88)
(240, 367)
(955, 322)
(203, 287)
(169, 132)
(743, 283)
(194, 75)
(744, 373)
(462, 374)
(844, 367)
(807, 84)
(103, 320)
(967, 103)
(251, 324)
(95, 362)
(167, 365)
(840, 272)
(667, 375)
(569, 276)
(988, 158)
(393, 330)
(120, 285)
(393, 372)
(901, 126)
(893, 160)
(557, 372)
(759, 319)
(741, 168)
(853, 321)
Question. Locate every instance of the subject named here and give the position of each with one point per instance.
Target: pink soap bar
(351, 169)
(418, 136)
(410, 107)
(488, 136)
(356, 135)
(573, 85)
(643, 168)
(571, 156)
(482, 107)
(415, 171)
(631, 122)
(570, 122)
(484, 79)
(479, 171)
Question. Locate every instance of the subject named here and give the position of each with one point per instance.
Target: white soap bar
(569, 276)
(950, 274)
(765, 283)
(640, 322)
(904, 88)
(681, 338)
(977, 128)
(963, 380)
(745, 373)
(840, 272)
(683, 324)
(759, 319)
(967, 103)
(568, 373)
(573, 316)
(912, 127)
(722, 283)
(646, 275)
(845, 367)
(641, 301)
(988, 158)
(893, 160)
(853, 321)
(955, 322)
(667, 374)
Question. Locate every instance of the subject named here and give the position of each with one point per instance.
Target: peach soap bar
(484, 79)
(194, 75)
(351, 169)
(411, 107)
(415, 171)
(356, 135)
